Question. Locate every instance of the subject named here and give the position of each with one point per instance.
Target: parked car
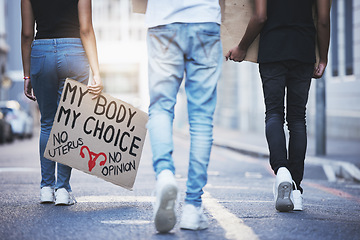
(21, 122)
(6, 133)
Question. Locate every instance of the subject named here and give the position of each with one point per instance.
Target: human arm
(253, 29)
(87, 36)
(323, 35)
(27, 36)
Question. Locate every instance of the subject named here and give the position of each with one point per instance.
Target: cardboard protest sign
(139, 6)
(102, 137)
(236, 15)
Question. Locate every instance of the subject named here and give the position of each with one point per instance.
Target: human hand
(28, 91)
(319, 70)
(236, 54)
(96, 86)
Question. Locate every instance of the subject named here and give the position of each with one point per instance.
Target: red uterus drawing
(92, 157)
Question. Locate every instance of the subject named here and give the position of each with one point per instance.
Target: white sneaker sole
(67, 203)
(47, 200)
(297, 208)
(64, 201)
(165, 218)
(283, 200)
(194, 227)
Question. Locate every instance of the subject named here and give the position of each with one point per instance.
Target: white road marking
(236, 187)
(253, 175)
(19, 169)
(111, 199)
(213, 173)
(353, 186)
(234, 227)
(244, 201)
(329, 172)
(227, 187)
(127, 222)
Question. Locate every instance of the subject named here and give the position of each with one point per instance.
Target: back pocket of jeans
(36, 65)
(163, 45)
(77, 64)
(210, 46)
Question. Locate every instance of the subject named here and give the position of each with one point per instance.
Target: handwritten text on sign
(102, 136)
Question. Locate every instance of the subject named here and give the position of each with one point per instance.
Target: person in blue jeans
(183, 44)
(287, 64)
(63, 47)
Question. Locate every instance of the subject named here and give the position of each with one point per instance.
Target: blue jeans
(295, 77)
(52, 61)
(175, 49)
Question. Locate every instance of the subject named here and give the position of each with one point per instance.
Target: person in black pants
(286, 63)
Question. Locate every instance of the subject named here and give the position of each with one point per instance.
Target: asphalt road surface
(238, 201)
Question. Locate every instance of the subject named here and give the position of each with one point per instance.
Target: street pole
(320, 117)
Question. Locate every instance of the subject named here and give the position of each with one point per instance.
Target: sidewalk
(342, 160)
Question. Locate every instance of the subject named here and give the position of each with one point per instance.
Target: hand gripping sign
(103, 137)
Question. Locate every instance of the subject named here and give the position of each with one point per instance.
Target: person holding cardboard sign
(286, 62)
(183, 36)
(64, 46)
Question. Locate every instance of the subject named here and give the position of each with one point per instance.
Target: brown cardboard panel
(236, 15)
(139, 6)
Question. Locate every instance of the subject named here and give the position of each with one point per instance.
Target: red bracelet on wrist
(26, 78)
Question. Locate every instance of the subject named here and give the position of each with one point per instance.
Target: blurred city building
(3, 49)
(14, 85)
(343, 75)
(121, 40)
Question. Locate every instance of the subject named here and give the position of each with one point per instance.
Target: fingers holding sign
(96, 86)
(236, 54)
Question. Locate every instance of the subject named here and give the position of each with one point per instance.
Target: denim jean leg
(166, 70)
(45, 85)
(275, 136)
(298, 85)
(273, 76)
(203, 70)
(71, 63)
(47, 166)
(297, 151)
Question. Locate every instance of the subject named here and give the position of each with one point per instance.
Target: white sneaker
(47, 195)
(193, 218)
(166, 194)
(63, 197)
(283, 193)
(298, 199)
